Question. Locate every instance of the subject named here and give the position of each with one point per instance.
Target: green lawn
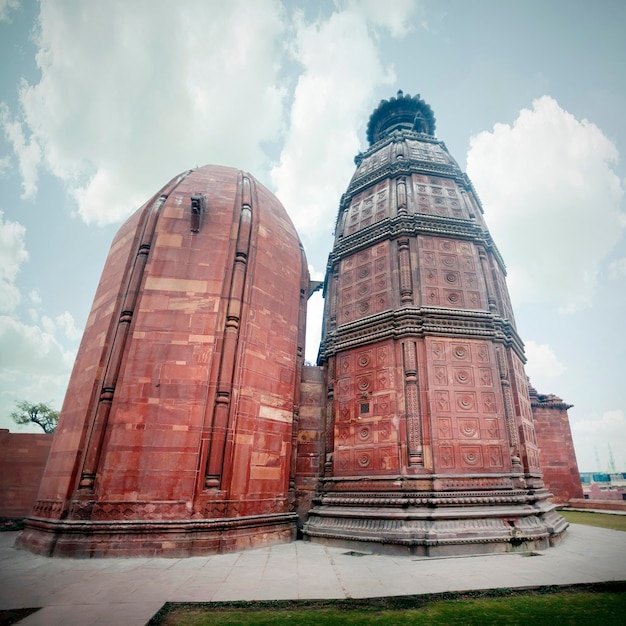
(603, 604)
(603, 520)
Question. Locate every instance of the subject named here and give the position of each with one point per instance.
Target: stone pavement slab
(108, 592)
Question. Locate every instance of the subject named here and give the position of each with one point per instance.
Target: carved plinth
(393, 517)
(165, 538)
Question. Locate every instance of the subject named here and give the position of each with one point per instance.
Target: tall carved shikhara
(430, 443)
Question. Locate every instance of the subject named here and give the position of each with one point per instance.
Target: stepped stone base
(166, 538)
(436, 523)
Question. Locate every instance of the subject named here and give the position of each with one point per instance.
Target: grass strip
(598, 603)
(601, 520)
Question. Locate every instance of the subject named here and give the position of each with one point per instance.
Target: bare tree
(41, 414)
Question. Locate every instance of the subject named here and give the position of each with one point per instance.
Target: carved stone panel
(449, 274)
(369, 206)
(367, 437)
(364, 284)
(466, 406)
(435, 196)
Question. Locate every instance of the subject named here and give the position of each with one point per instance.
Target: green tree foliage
(41, 414)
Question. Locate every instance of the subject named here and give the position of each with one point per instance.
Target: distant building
(600, 486)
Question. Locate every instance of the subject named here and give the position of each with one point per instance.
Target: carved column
(509, 409)
(491, 294)
(95, 438)
(401, 195)
(330, 419)
(404, 261)
(413, 418)
(333, 285)
(221, 411)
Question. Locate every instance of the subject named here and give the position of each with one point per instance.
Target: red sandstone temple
(191, 425)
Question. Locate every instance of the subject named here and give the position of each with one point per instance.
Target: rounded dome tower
(176, 431)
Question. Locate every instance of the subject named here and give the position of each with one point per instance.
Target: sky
(101, 103)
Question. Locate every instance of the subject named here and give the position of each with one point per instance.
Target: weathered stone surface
(430, 441)
(556, 447)
(23, 458)
(180, 408)
(310, 439)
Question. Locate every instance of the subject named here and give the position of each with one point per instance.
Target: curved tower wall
(176, 433)
(430, 443)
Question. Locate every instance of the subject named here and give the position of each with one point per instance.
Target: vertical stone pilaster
(330, 418)
(509, 409)
(491, 294)
(401, 195)
(297, 392)
(404, 261)
(333, 285)
(95, 438)
(413, 417)
(219, 425)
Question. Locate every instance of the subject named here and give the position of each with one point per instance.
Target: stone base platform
(166, 538)
(435, 533)
(436, 523)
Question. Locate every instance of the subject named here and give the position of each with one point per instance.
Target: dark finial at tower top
(404, 112)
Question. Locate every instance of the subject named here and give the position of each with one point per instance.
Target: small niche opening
(198, 207)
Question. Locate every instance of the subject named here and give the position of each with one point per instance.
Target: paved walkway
(111, 592)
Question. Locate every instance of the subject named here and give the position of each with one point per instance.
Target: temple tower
(430, 443)
(176, 433)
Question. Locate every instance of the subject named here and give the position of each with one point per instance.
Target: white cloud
(34, 366)
(552, 202)
(617, 269)
(394, 16)
(543, 364)
(32, 349)
(5, 166)
(12, 254)
(341, 69)
(9, 296)
(35, 297)
(130, 94)
(595, 434)
(66, 323)
(6, 8)
(27, 151)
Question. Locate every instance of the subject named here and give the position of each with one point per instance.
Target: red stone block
(180, 389)
(556, 447)
(23, 457)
